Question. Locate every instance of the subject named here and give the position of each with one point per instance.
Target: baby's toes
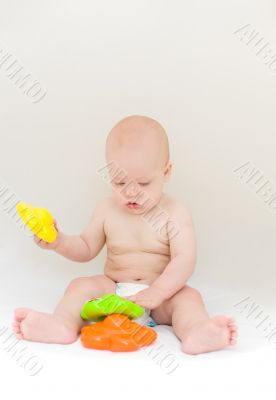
(233, 329)
(20, 314)
(232, 324)
(19, 335)
(16, 326)
(17, 330)
(233, 336)
(232, 341)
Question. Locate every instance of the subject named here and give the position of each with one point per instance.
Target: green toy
(97, 309)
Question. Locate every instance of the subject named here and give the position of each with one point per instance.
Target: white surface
(244, 370)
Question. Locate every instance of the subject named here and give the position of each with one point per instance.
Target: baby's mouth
(132, 205)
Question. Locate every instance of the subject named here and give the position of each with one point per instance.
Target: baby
(151, 249)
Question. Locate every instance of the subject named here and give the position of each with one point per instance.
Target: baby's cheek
(117, 195)
(155, 196)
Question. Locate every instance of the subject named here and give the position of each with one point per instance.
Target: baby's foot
(210, 335)
(41, 327)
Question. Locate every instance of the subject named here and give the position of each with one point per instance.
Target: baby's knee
(75, 283)
(190, 291)
(83, 283)
(187, 292)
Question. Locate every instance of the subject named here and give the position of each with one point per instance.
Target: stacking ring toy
(97, 309)
(117, 333)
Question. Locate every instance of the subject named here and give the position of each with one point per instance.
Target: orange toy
(117, 333)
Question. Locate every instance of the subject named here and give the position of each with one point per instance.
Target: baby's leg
(198, 332)
(63, 326)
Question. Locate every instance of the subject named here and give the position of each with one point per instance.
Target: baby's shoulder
(177, 209)
(103, 206)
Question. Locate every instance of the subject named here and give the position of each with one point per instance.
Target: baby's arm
(87, 245)
(183, 254)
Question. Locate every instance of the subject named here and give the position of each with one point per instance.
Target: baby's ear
(168, 170)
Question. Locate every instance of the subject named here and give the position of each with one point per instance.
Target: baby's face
(138, 183)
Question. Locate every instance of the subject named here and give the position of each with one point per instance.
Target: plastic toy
(39, 221)
(117, 333)
(113, 330)
(97, 309)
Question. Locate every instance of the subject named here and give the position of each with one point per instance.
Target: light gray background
(177, 61)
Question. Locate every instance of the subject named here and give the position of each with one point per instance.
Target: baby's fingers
(55, 224)
(41, 243)
(36, 239)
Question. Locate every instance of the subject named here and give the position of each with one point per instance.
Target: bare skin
(136, 252)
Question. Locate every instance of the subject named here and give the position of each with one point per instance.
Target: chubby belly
(136, 266)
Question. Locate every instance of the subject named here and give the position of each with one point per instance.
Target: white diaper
(131, 288)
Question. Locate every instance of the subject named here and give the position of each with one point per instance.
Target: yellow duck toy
(39, 221)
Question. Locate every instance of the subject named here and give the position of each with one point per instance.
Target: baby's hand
(149, 298)
(45, 245)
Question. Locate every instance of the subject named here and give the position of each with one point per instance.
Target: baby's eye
(144, 184)
(119, 184)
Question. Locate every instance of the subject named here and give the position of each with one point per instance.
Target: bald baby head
(138, 147)
(142, 135)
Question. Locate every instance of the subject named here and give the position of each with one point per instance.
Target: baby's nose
(131, 190)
